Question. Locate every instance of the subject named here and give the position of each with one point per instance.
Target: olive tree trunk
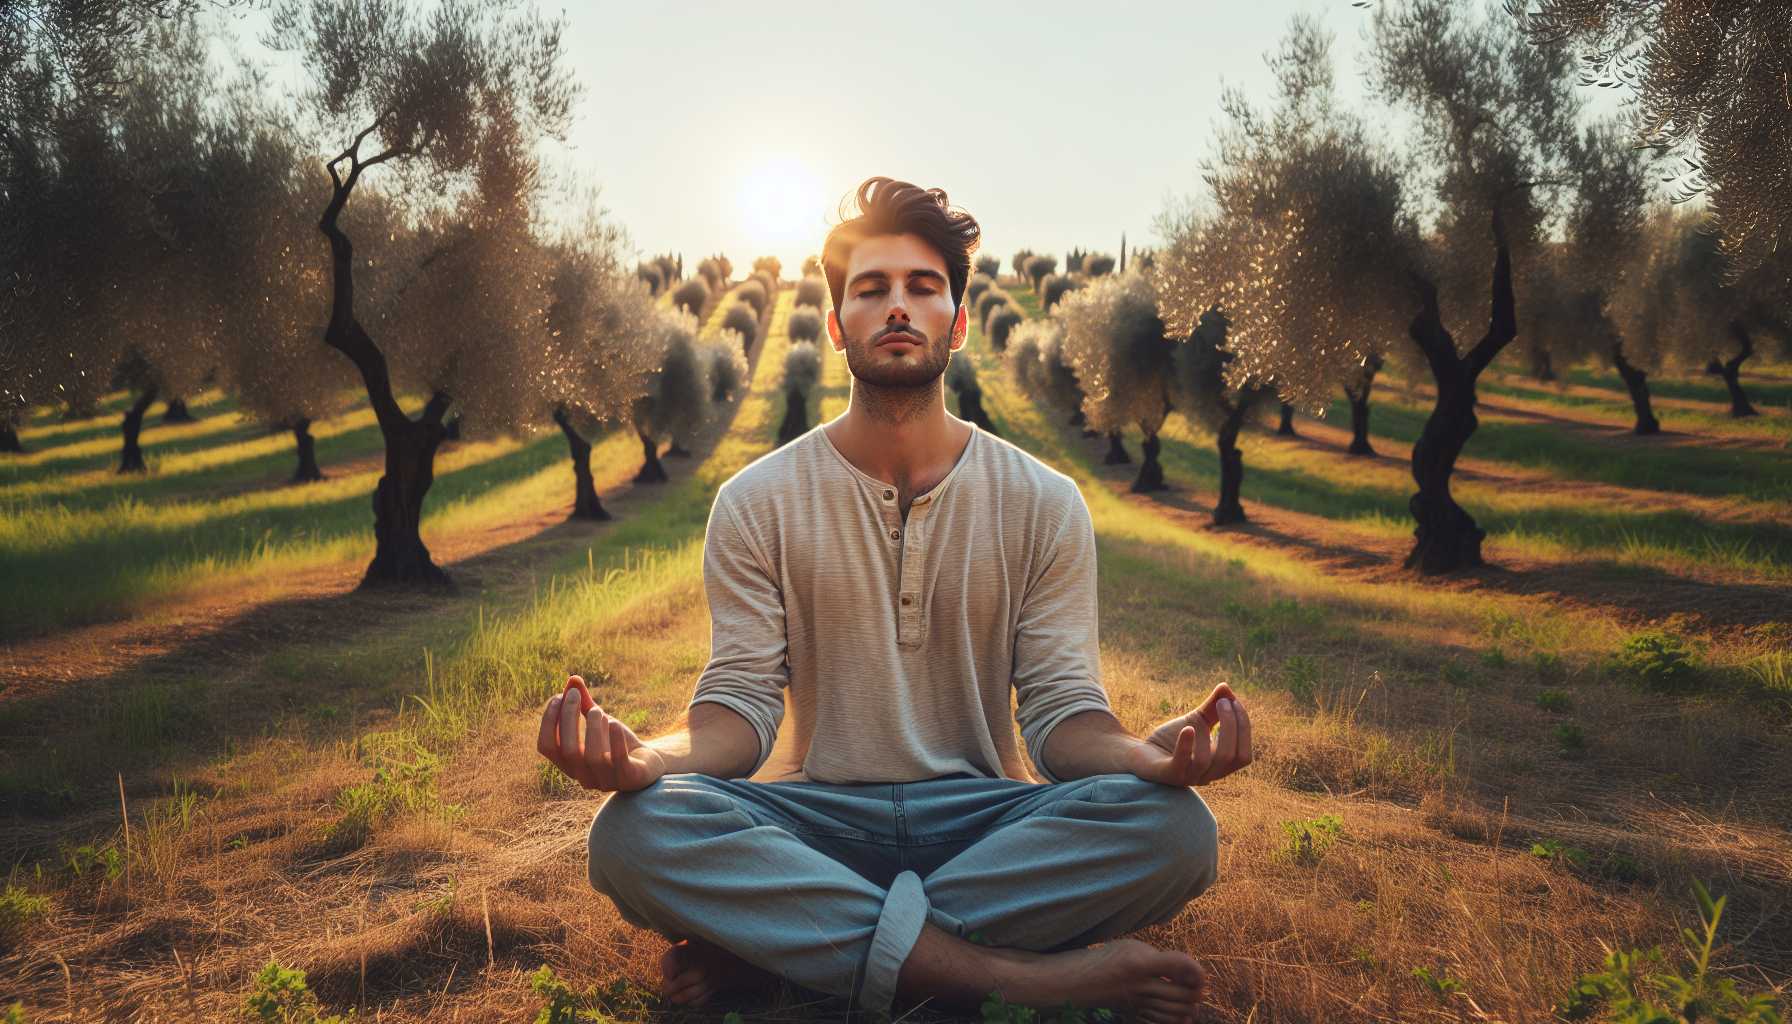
(1286, 427)
(131, 461)
(796, 416)
(652, 470)
(307, 471)
(399, 557)
(1731, 371)
(1447, 538)
(1225, 440)
(9, 439)
(177, 412)
(1151, 471)
(585, 503)
(1117, 455)
(1637, 382)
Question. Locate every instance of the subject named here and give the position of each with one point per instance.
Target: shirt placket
(911, 557)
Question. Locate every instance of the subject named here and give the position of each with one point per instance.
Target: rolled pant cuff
(905, 912)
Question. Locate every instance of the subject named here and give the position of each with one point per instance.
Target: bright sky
(713, 127)
(1056, 124)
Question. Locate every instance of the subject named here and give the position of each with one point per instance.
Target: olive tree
(1497, 123)
(1114, 339)
(1308, 248)
(455, 97)
(677, 398)
(1035, 359)
(1708, 76)
(596, 365)
(802, 372)
(961, 377)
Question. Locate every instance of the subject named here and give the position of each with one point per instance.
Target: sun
(781, 208)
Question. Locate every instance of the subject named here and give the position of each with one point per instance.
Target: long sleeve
(1057, 650)
(747, 670)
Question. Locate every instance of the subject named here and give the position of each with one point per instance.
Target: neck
(899, 435)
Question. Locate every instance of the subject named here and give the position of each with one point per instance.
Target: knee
(622, 831)
(1183, 834)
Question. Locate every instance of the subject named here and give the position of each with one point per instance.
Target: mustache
(878, 338)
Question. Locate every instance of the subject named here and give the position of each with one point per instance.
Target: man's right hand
(610, 757)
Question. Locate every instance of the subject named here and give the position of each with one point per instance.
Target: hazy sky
(737, 128)
(734, 128)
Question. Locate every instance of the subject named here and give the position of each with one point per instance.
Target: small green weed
(1301, 672)
(19, 910)
(1441, 984)
(1306, 842)
(1559, 853)
(1658, 659)
(1494, 658)
(1555, 701)
(281, 996)
(552, 782)
(1570, 738)
(593, 1006)
(1457, 674)
(1638, 986)
(404, 782)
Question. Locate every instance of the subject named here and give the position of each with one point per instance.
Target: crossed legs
(708, 861)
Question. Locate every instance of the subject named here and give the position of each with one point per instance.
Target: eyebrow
(933, 275)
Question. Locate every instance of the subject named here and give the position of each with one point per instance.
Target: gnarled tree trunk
(1230, 509)
(652, 471)
(399, 556)
(1447, 538)
(1151, 471)
(1637, 381)
(307, 471)
(1731, 371)
(1286, 427)
(585, 503)
(9, 439)
(177, 412)
(131, 461)
(1117, 455)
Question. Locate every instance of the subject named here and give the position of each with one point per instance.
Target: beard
(892, 374)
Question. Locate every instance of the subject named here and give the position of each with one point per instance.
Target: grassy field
(1464, 790)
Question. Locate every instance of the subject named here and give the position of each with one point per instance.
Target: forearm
(719, 742)
(1089, 743)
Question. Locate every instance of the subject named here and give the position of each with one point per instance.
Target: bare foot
(1155, 985)
(693, 970)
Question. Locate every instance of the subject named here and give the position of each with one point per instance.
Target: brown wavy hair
(890, 207)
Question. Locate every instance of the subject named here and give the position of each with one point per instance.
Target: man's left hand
(1181, 753)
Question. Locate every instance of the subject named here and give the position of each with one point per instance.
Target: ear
(960, 324)
(834, 330)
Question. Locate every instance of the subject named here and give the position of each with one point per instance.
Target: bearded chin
(915, 371)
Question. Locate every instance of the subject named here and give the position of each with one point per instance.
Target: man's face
(895, 322)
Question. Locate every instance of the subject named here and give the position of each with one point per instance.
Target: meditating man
(897, 571)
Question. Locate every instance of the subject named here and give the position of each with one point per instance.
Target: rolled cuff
(905, 912)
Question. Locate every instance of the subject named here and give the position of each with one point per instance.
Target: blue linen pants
(829, 885)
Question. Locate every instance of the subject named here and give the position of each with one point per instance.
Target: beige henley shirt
(903, 651)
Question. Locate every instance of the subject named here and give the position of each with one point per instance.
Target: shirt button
(906, 599)
(895, 534)
(889, 495)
